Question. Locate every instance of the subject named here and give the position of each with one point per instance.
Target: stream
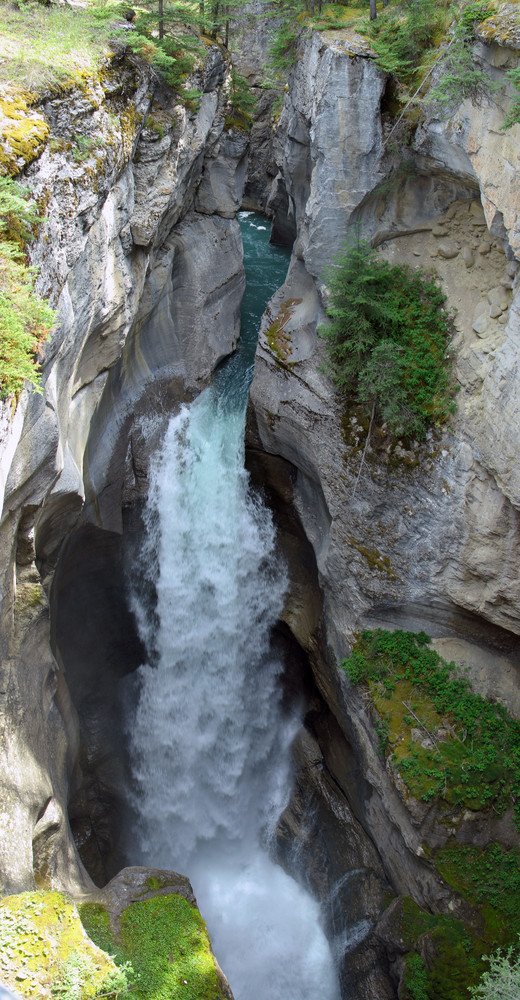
(209, 742)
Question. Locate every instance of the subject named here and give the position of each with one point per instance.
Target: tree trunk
(373, 10)
(161, 19)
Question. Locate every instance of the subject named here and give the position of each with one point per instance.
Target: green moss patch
(167, 943)
(445, 955)
(490, 877)
(24, 130)
(44, 951)
(445, 741)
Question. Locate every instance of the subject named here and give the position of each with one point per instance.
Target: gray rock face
(331, 148)
(148, 293)
(419, 536)
(222, 183)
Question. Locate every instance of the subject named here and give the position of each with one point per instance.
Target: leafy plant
(25, 318)
(469, 752)
(444, 954)
(402, 32)
(461, 75)
(513, 115)
(387, 339)
(416, 978)
(502, 980)
(489, 875)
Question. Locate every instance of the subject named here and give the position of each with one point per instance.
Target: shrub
(475, 762)
(502, 980)
(25, 318)
(461, 76)
(387, 339)
(513, 115)
(402, 32)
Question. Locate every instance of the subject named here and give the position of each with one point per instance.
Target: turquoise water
(265, 266)
(210, 742)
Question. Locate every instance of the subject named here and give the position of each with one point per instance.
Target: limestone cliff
(141, 254)
(419, 536)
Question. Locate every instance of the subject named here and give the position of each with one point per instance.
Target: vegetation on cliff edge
(25, 318)
(387, 340)
(444, 740)
(459, 752)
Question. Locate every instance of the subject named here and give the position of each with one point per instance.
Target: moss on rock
(166, 941)
(24, 131)
(45, 952)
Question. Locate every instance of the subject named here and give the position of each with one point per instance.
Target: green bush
(387, 340)
(475, 763)
(242, 102)
(461, 76)
(25, 318)
(402, 32)
(502, 980)
(513, 115)
(416, 978)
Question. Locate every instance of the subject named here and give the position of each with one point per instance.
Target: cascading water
(209, 742)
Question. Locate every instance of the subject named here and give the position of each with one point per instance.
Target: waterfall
(209, 742)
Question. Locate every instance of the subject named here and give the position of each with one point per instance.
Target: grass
(51, 48)
(488, 876)
(449, 745)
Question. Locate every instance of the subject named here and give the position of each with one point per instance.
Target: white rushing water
(210, 746)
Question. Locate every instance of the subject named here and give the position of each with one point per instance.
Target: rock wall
(420, 536)
(140, 252)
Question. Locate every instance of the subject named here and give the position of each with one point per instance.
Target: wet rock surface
(147, 295)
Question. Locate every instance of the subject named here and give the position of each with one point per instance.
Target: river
(209, 742)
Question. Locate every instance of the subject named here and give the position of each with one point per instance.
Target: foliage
(53, 46)
(469, 754)
(513, 115)
(502, 980)
(489, 875)
(174, 55)
(44, 951)
(452, 953)
(25, 318)
(461, 76)
(242, 101)
(402, 32)
(18, 214)
(166, 941)
(416, 978)
(387, 339)
(282, 51)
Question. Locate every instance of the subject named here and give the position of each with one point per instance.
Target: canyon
(140, 252)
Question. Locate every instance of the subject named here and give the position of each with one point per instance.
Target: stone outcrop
(141, 254)
(404, 535)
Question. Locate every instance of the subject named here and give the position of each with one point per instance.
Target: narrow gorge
(176, 597)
